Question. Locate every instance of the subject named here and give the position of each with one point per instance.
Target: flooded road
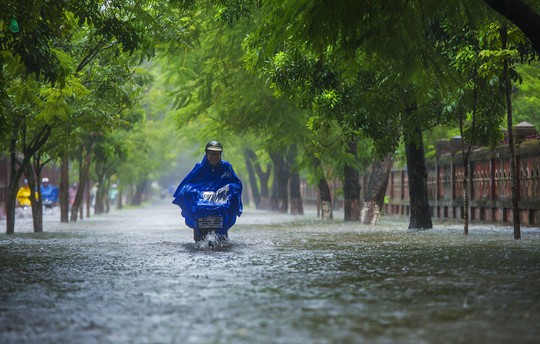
(135, 276)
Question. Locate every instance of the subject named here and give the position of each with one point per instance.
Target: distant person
(49, 193)
(211, 188)
(113, 194)
(23, 195)
(72, 193)
(93, 193)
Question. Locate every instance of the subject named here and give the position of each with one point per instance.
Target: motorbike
(48, 203)
(211, 213)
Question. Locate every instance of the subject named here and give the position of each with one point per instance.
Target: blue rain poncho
(49, 194)
(210, 191)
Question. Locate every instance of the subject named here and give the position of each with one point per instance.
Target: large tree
(56, 43)
(390, 31)
(214, 91)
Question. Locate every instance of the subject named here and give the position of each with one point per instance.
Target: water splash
(137, 276)
(214, 242)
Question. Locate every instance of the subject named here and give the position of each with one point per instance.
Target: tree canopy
(134, 86)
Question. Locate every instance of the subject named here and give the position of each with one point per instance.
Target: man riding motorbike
(49, 193)
(210, 196)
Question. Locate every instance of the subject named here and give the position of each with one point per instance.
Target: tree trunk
(280, 201)
(274, 198)
(64, 190)
(466, 150)
(420, 213)
(327, 213)
(325, 197)
(514, 174)
(11, 203)
(37, 214)
(351, 188)
(108, 201)
(35, 199)
(16, 173)
(139, 191)
(84, 167)
(81, 208)
(77, 203)
(87, 195)
(33, 171)
(295, 196)
(119, 202)
(264, 178)
(99, 206)
(297, 208)
(376, 190)
(466, 195)
(249, 157)
(14, 179)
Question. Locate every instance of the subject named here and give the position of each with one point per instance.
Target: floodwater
(135, 276)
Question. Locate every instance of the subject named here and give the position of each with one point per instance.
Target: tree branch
(93, 53)
(523, 16)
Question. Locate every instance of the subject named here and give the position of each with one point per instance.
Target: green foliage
(265, 74)
(70, 72)
(213, 90)
(475, 52)
(526, 97)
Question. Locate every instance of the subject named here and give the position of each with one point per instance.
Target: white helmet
(214, 146)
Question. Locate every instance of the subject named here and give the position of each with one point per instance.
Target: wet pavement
(135, 276)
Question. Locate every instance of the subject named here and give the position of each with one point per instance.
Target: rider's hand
(223, 192)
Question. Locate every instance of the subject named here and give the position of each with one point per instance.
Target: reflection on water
(136, 277)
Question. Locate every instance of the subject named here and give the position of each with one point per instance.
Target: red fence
(489, 185)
